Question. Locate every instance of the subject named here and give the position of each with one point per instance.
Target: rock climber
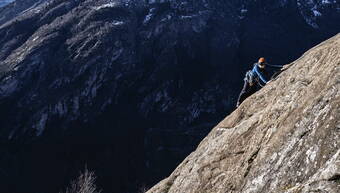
(255, 79)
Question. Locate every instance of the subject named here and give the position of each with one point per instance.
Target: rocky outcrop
(16, 8)
(285, 138)
(73, 74)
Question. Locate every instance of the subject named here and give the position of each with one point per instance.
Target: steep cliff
(284, 138)
(74, 74)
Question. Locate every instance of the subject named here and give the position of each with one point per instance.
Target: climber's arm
(274, 66)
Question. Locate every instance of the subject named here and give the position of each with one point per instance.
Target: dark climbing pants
(246, 92)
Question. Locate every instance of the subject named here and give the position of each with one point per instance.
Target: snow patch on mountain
(311, 10)
(107, 5)
(5, 2)
(41, 124)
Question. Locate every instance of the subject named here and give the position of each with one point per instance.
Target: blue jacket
(258, 73)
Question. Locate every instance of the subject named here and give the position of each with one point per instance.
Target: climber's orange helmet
(262, 60)
(262, 63)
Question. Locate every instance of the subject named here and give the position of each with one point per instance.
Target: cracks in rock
(170, 182)
(250, 161)
(239, 152)
(304, 134)
(305, 82)
(215, 165)
(334, 178)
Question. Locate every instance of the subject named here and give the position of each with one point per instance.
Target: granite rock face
(285, 138)
(73, 74)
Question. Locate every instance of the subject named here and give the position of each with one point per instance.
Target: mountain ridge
(5, 2)
(284, 138)
(73, 73)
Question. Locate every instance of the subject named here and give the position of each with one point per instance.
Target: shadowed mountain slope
(5, 2)
(130, 87)
(17, 8)
(285, 138)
